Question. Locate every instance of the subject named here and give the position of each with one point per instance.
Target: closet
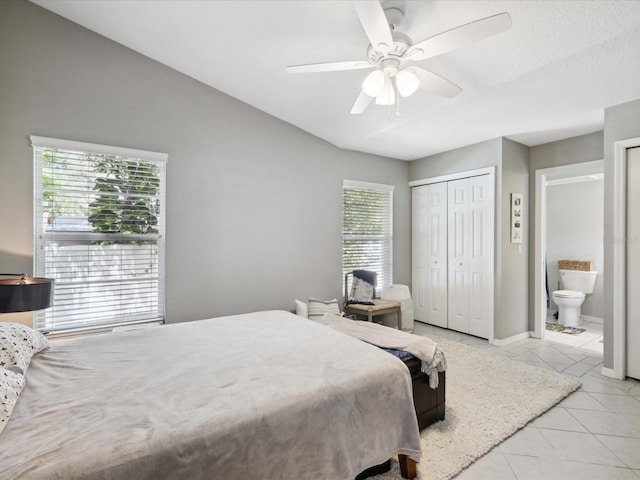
(452, 253)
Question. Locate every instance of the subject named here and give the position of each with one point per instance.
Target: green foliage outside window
(126, 199)
(126, 202)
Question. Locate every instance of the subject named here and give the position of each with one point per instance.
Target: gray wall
(575, 232)
(513, 287)
(479, 155)
(585, 148)
(621, 122)
(254, 213)
(511, 162)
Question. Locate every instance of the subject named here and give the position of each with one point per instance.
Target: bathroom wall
(575, 232)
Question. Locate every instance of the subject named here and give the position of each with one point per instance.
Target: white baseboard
(611, 373)
(501, 342)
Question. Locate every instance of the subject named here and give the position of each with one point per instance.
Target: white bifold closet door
(429, 253)
(470, 240)
(453, 254)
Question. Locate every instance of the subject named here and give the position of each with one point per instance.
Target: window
(367, 229)
(99, 233)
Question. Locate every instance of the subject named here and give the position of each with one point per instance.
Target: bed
(266, 395)
(421, 355)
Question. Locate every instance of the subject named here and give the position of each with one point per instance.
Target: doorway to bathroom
(568, 225)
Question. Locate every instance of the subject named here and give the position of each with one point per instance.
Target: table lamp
(24, 294)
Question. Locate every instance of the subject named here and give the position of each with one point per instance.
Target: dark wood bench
(428, 402)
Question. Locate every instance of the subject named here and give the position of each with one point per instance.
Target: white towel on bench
(426, 350)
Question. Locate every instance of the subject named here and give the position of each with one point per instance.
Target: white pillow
(361, 290)
(11, 384)
(302, 309)
(18, 343)
(317, 308)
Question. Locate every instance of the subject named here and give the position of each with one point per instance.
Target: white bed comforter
(267, 395)
(431, 358)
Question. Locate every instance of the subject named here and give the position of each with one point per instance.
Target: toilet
(577, 285)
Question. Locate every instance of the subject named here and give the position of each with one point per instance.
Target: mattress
(253, 396)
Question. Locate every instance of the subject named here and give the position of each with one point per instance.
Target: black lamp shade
(25, 295)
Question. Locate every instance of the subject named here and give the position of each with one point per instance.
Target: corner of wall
(512, 259)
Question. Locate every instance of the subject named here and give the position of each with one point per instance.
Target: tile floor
(594, 434)
(590, 340)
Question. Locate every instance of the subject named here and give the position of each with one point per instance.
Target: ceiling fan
(392, 52)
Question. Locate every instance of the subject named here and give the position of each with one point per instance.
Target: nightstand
(379, 307)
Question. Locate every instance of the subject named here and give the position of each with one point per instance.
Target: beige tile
(558, 418)
(528, 356)
(593, 327)
(554, 358)
(594, 345)
(492, 466)
(635, 389)
(528, 441)
(546, 366)
(550, 334)
(535, 468)
(592, 360)
(558, 367)
(582, 400)
(626, 449)
(576, 357)
(581, 341)
(519, 348)
(618, 403)
(503, 352)
(600, 384)
(608, 423)
(593, 434)
(578, 369)
(580, 447)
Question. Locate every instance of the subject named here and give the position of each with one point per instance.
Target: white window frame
(385, 269)
(61, 322)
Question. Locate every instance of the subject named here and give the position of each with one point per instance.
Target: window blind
(99, 233)
(367, 231)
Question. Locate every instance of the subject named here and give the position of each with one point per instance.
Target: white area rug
(488, 398)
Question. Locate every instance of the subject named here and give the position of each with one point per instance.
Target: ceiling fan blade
(362, 102)
(375, 24)
(329, 67)
(460, 37)
(433, 83)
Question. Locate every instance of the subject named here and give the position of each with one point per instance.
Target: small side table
(379, 307)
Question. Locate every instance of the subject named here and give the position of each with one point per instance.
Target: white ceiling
(547, 78)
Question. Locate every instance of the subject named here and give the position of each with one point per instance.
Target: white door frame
(491, 171)
(618, 241)
(540, 241)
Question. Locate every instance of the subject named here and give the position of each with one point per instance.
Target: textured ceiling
(547, 78)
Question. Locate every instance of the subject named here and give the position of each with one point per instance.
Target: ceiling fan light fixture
(373, 83)
(388, 94)
(390, 49)
(406, 82)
